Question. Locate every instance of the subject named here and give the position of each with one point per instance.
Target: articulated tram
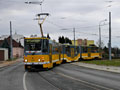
(43, 53)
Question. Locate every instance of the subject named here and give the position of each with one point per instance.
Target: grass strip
(114, 62)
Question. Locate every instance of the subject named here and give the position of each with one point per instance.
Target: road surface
(62, 77)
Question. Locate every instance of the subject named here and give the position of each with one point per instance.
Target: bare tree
(102, 44)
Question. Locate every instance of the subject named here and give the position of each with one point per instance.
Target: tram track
(49, 82)
(72, 78)
(85, 83)
(61, 79)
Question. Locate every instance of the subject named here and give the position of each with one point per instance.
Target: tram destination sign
(32, 40)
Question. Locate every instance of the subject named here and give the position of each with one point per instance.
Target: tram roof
(35, 38)
(78, 45)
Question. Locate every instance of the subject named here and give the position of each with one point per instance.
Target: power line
(93, 34)
(97, 35)
(72, 28)
(54, 24)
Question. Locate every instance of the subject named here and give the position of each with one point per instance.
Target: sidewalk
(98, 67)
(7, 63)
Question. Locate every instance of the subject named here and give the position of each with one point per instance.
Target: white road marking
(24, 83)
(85, 82)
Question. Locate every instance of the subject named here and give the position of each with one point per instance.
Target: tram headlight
(39, 60)
(26, 60)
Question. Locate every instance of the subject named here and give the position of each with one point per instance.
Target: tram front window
(36, 45)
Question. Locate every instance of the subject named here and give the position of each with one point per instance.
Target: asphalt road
(62, 77)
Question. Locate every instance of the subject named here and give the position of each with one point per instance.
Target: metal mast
(110, 36)
(11, 46)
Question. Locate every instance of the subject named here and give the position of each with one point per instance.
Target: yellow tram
(40, 53)
(43, 53)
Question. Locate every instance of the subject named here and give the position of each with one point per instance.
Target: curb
(98, 67)
(8, 63)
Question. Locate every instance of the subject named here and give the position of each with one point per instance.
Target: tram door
(60, 52)
(89, 52)
(80, 51)
(50, 53)
(72, 52)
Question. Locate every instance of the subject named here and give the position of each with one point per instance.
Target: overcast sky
(83, 15)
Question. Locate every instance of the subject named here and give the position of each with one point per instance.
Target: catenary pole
(74, 35)
(11, 46)
(99, 37)
(74, 39)
(110, 36)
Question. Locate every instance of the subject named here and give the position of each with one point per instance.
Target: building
(76, 42)
(90, 42)
(3, 54)
(17, 37)
(82, 42)
(18, 49)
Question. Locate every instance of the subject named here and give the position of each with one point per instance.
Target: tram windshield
(36, 45)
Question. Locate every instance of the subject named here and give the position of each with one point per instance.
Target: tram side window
(94, 49)
(84, 49)
(67, 50)
(76, 50)
(97, 50)
(62, 49)
(45, 46)
(55, 49)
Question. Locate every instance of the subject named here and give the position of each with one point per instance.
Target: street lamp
(35, 2)
(100, 33)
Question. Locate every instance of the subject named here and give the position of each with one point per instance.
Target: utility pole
(11, 46)
(99, 38)
(110, 36)
(74, 35)
(74, 39)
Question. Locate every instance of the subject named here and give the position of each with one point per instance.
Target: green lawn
(114, 62)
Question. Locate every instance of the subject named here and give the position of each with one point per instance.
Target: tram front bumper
(34, 65)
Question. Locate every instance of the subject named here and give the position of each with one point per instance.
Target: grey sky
(84, 15)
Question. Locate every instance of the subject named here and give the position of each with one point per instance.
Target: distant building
(76, 42)
(82, 42)
(18, 49)
(17, 37)
(90, 42)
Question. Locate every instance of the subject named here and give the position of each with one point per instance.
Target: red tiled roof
(15, 44)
